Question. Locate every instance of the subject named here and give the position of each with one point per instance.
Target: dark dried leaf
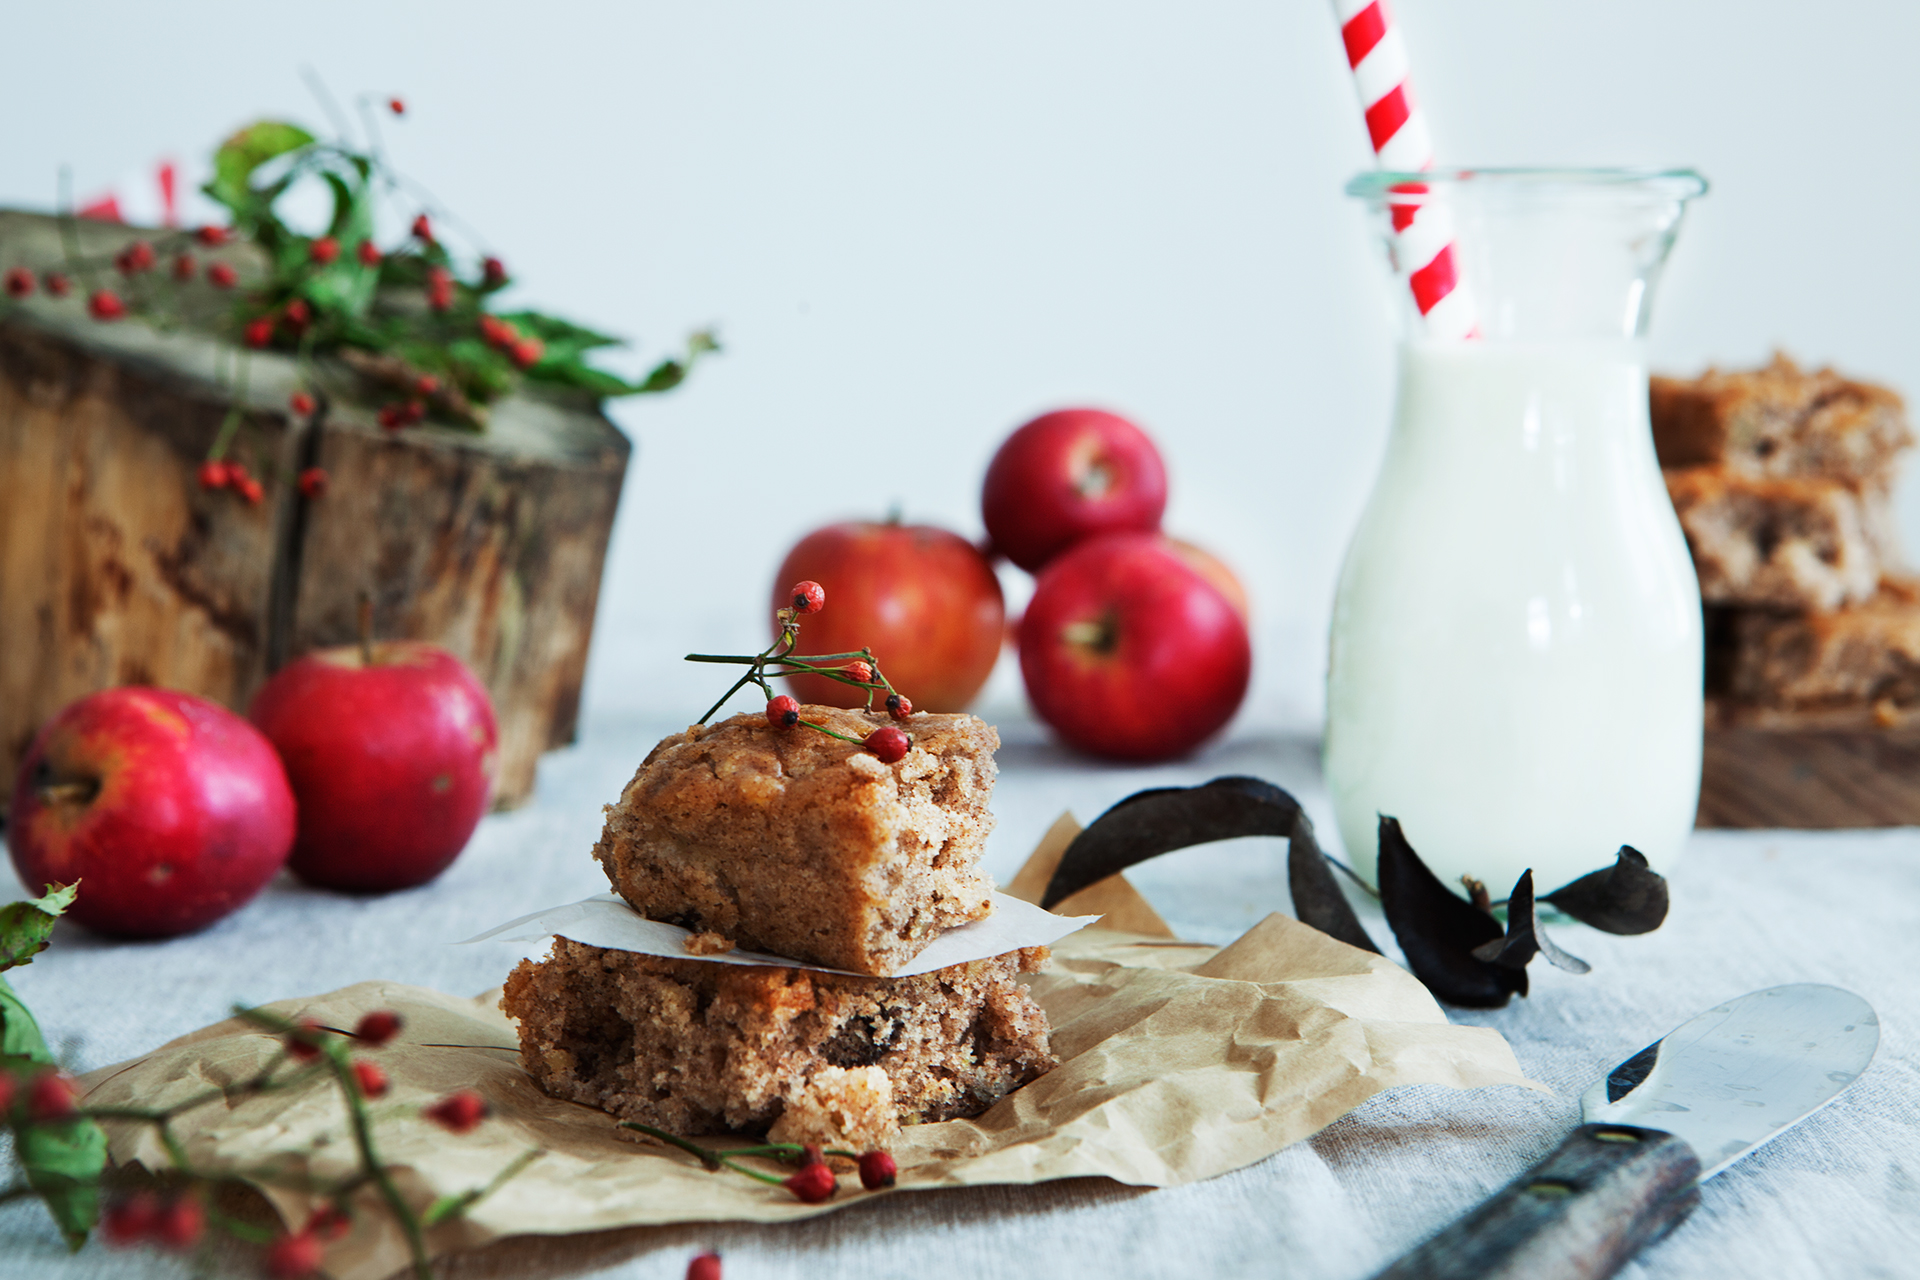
(1525, 936)
(1627, 897)
(1317, 899)
(1150, 823)
(1439, 931)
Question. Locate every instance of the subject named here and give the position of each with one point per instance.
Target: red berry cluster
(144, 1218)
(215, 475)
(501, 335)
(812, 1182)
(889, 744)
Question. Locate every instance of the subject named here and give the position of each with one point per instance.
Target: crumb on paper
(708, 943)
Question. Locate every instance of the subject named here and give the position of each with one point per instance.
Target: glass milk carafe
(1515, 667)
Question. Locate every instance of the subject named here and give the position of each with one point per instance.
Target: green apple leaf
(63, 1160)
(25, 927)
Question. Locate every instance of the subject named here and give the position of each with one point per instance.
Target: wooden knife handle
(1580, 1214)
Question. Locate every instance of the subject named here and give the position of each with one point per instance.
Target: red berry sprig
(860, 669)
(813, 1180)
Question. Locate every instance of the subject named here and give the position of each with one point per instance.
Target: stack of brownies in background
(1783, 479)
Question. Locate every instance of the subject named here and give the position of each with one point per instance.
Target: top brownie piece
(1779, 421)
(795, 843)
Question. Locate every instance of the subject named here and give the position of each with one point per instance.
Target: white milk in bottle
(1516, 652)
(1516, 649)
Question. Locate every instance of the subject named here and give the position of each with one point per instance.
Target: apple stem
(81, 792)
(366, 628)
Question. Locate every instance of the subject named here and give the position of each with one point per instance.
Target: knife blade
(1656, 1126)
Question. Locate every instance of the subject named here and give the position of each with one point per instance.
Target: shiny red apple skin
(1131, 654)
(392, 761)
(1067, 476)
(170, 810)
(923, 599)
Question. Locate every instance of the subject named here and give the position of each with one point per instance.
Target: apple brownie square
(794, 843)
(696, 1046)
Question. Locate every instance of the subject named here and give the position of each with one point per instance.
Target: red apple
(924, 600)
(1214, 570)
(1129, 653)
(170, 811)
(1067, 476)
(390, 751)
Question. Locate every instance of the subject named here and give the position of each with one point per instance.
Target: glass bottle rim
(1402, 185)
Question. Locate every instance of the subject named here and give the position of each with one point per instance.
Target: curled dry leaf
(1628, 897)
(1439, 931)
(1525, 937)
(1317, 899)
(1150, 823)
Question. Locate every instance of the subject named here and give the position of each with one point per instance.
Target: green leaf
(26, 926)
(19, 1034)
(573, 373)
(344, 287)
(666, 375)
(63, 1160)
(557, 332)
(247, 150)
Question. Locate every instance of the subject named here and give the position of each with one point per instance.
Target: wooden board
(1813, 778)
(116, 568)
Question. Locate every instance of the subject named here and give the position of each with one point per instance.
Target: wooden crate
(116, 568)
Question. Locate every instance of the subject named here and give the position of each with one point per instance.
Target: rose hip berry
(888, 743)
(298, 313)
(878, 1170)
(527, 352)
(57, 283)
(329, 1222)
(213, 475)
(705, 1266)
(19, 283)
(51, 1096)
(258, 332)
(783, 711)
(439, 288)
(212, 237)
(136, 258)
(423, 229)
(221, 275)
(303, 1044)
(396, 106)
(105, 304)
(313, 482)
(814, 1184)
(294, 1255)
(808, 597)
(858, 670)
(493, 272)
(130, 1221)
(372, 1079)
(459, 1112)
(379, 1026)
(250, 489)
(426, 384)
(899, 706)
(301, 403)
(180, 1223)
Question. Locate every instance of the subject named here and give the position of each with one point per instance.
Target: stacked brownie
(801, 845)
(1783, 482)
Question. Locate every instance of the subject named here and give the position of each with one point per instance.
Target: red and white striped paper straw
(1424, 247)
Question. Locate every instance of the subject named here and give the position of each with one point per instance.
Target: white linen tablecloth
(1838, 1196)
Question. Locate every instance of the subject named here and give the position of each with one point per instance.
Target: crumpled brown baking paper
(1177, 1062)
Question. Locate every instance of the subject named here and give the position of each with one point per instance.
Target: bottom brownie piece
(694, 1046)
(1866, 656)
